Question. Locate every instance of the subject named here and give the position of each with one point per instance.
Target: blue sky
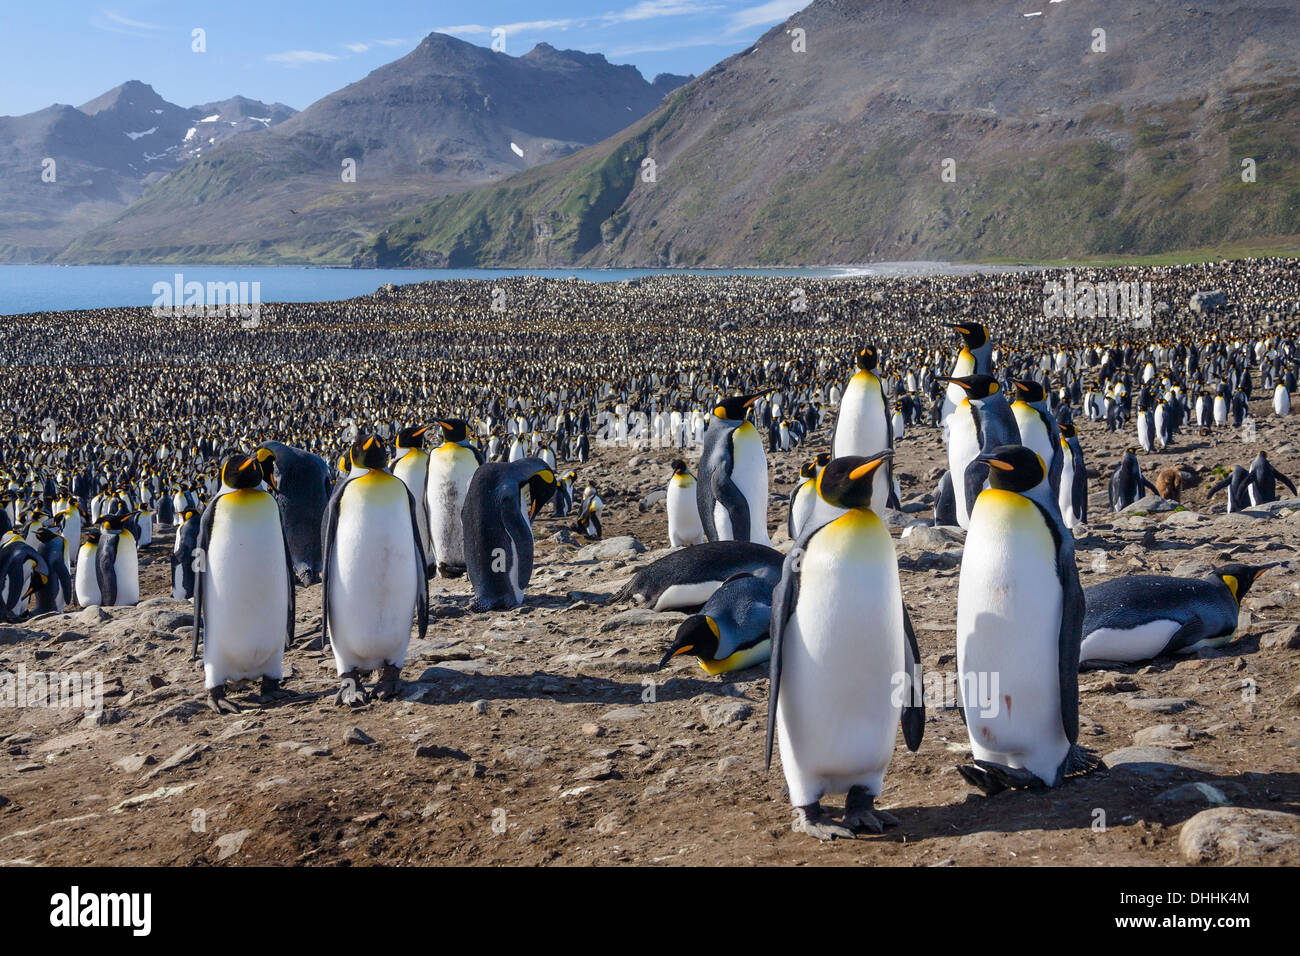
(296, 51)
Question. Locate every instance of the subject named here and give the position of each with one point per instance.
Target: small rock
(1215, 794)
(725, 713)
(526, 758)
(356, 735)
(593, 730)
(229, 844)
(1159, 705)
(1154, 761)
(135, 762)
(479, 707)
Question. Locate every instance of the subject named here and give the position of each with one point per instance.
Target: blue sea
(44, 288)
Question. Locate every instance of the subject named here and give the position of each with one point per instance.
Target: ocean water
(45, 288)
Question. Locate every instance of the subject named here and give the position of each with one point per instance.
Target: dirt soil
(544, 735)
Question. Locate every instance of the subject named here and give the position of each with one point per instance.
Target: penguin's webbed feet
(352, 693)
(219, 703)
(861, 816)
(271, 689)
(816, 822)
(993, 778)
(390, 682)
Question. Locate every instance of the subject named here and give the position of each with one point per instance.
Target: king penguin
(300, 483)
(1019, 623)
(1141, 616)
(451, 469)
(981, 422)
(412, 467)
(375, 578)
(1263, 487)
(183, 570)
(498, 533)
(731, 631)
(1038, 429)
(87, 580)
(117, 562)
(845, 667)
(732, 488)
(684, 525)
(975, 357)
(243, 588)
(864, 426)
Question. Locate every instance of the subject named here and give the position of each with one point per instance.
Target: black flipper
(422, 579)
(201, 574)
(106, 569)
(912, 719)
(728, 495)
(293, 584)
(1193, 630)
(977, 472)
(1070, 636)
(1285, 480)
(1219, 487)
(945, 502)
(784, 598)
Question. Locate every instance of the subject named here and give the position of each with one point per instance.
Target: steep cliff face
(1058, 147)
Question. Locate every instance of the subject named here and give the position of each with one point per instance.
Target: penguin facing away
(731, 491)
(243, 588)
(1019, 622)
(375, 581)
(498, 533)
(845, 667)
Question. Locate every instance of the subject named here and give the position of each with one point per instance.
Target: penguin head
(846, 482)
(976, 387)
(541, 489)
(679, 468)
(1029, 391)
(115, 523)
(1067, 429)
(1239, 577)
(697, 635)
(973, 335)
(368, 452)
(733, 409)
(266, 465)
(92, 537)
(242, 472)
(453, 429)
(411, 437)
(1013, 468)
(809, 469)
(867, 358)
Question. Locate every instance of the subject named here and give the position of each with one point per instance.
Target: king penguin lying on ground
(845, 664)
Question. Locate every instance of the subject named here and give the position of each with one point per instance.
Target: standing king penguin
(375, 578)
(845, 667)
(684, 525)
(732, 488)
(117, 562)
(1019, 625)
(452, 466)
(498, 533)
(864, 426)
(243, 588)
(412, 467)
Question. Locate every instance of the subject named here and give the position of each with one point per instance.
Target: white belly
(1281, 401)
(963, 446)
(1065, 496)
(749, 472)
(413, 470)
(838, 711)
(1008, 623)
(127, 571)
(373, 575)
(87, 583)
(245, 590)
(684, 524)
(1134, 644)
(450, 472)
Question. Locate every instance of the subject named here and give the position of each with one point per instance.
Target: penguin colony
(378, 445)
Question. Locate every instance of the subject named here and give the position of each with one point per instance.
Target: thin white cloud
(356, 47)
(114, 22)
(532, 25)
(471, 28)
(774, 11)
(653, 9)
(301, 57)
(665, 46)
(397, 42)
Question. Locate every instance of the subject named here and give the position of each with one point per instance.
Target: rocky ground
(545, 735)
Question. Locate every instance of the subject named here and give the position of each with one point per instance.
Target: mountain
(444, 118)
(836, 154)
(105, 153)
